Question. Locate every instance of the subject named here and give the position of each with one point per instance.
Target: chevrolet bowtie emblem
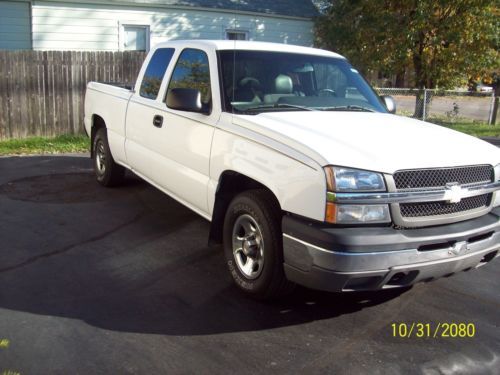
(459, 247)
(453, 193)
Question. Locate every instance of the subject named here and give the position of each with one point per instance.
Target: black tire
(266, 278)
(107, 172)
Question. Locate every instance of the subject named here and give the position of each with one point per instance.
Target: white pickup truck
(305, 174)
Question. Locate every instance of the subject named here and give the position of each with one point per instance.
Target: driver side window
(192, 71)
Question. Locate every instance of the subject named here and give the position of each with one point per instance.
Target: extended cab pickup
(305, 174)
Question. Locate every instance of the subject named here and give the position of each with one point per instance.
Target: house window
(236, 35)
(135, 38)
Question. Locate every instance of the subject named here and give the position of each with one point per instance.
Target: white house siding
(97, 27)
(15, 32)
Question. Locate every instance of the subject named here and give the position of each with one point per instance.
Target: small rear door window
(155, 71)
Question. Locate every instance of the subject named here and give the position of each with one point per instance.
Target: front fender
(299, 186)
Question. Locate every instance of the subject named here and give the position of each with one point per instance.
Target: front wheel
(107, 172)
(253, 245)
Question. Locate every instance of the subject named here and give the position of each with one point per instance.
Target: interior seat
(283, 86)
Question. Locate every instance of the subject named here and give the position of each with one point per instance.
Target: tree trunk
(422, 102)
(422, 99)
(420, 80)
(400, 79)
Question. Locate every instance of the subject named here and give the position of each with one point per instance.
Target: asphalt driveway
(121, 281)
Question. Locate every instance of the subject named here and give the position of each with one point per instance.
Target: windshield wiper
(277, 105)
(348, 108)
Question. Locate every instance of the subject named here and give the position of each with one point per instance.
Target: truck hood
(372, 141)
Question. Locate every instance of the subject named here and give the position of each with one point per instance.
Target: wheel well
(230, 185)
(97, 123)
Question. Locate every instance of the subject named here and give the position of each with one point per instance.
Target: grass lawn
(43, 145)
(461, 124)
(474, 128)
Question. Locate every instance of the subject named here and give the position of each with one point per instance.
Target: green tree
(443, 41)
(151, 86)
(193, 74)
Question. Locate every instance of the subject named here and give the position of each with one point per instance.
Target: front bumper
(372, 258)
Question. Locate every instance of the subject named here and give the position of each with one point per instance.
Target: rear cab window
(151, 82)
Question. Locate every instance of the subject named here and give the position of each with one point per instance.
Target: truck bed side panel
(110, 103)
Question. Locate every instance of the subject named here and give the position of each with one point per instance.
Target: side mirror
(390, 103)
(183, 99)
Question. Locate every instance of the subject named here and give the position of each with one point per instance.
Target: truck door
(172, 147)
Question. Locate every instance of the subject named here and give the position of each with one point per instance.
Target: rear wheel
(107, 172)
(253, 245)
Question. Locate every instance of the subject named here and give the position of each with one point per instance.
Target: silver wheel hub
(248, 246)
(100, 157)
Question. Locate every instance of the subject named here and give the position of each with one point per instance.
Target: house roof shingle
(295, 8)
(292, 8)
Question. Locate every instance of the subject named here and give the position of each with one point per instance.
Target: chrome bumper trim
(376, 261)
(413, 196)
(339, 272)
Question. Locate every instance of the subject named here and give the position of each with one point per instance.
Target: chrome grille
(444, 208)
(439, 177)
(426, 213)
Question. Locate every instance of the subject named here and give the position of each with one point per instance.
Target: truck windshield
(261, 81)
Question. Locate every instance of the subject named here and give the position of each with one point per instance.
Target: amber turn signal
(331, 213)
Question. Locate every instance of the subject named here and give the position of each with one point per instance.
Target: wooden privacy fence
(42, 92)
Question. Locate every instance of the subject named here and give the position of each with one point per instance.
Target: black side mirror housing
(390, 103)
(184, 99)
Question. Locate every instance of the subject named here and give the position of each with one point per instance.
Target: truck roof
(247, 45)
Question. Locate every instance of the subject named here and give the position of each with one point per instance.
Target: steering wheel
(245, 81)
(328, 92)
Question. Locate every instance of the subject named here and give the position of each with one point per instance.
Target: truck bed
(121, 90)
(109, 101)
(123, 85)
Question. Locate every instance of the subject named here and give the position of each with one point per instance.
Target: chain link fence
(443, 106)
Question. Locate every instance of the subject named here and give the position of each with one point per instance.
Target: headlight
(496, 202)
(347, 180)
(358, 214)
(353, 180)
(496, 196)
